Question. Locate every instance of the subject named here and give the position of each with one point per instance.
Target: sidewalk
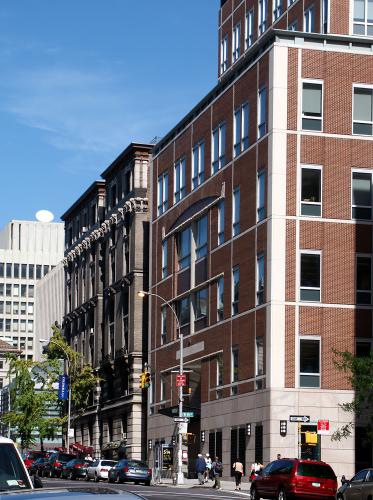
(193, 483)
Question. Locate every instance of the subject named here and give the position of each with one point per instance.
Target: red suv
(291, 478)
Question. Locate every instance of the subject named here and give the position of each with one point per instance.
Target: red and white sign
(323, 427)
(181, 380)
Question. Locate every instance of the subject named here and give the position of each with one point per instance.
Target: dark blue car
(130, 470)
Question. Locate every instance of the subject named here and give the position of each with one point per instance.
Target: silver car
(360, 487)
(99, 469)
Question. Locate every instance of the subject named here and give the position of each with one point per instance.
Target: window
(310, 264)
(24, 271)
(23, 308)
(312, 106)
(179, 180)
(325, 15)
(260, 277)
(1, 270)
(198, 164)
(235, 289)
(309, 362)
(224, 55)
(184, 311)
(163, 325)
(162, 193)
(16, 290)
(363, 279)
(15, 325)
(8, 290)
(8, 307)
(31, 291)
(277, 9)
(249, 29)
(234, 369)
(1, 307)
(184, 248)
(363, 349)
(15, 307)
(31, 271)
(1, 289)
(309, 20)
(293, 26)
(361, 195)
(311, 191)
(201, 238)
(8, 325)
(260, 196)
(9, 270)
(241, 129)
(162, 396)
(201, 300)
(45, 270)
(236, 212)
(219, 370)
(262, 20)
(262, 112)
(290, 2)
(38, 272)
(221, 222)
(236, 42)
(363, 111)
(30, 326)
(363, 17)
(259, 357)
(164, 258)
(218, 148)
(220, 299)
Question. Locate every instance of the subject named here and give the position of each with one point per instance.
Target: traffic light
(142, 381)
(146, 379)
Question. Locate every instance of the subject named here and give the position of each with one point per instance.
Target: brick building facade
(106, 262)
(261, 236)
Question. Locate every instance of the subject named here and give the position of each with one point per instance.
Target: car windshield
(315, 470)
(12, 473)
(136, 463)
(110, 463)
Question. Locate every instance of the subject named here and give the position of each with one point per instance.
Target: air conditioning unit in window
(124, 435)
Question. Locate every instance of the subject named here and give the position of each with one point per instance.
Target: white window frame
(301, 202)
(179, 175)
(321, 119)
(236, 214)
(164, 259)
(261, 124)
(218, 157)
(361, 171)
(241, 126)
(260, 210)
(277, 9)
(309, 20)
(262, 17)
(310, 337)
(198, 164)
(236, 42)
(293, 26)
(364, 23)
(219, 372)
(249, 29)
(224, 55)
(325, 16)
(162, 195)
(364, 256)
(260, 287)
(310, 252)
(162, 388)
(365, 87)
(290, 2)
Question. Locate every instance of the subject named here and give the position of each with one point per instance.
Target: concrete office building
(106, 262)
(28, 251)
(261, 236)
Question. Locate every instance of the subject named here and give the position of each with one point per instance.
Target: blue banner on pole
(63, 387)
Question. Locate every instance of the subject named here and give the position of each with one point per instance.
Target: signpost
(181, 380)
(299, 418)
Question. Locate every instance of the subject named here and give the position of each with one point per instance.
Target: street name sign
(299, 418)
(181, 419)
(188, 414)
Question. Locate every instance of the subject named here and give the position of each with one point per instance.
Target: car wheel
(281, 495)
(110, 480)
(147, 483)
(136, 482)
(70, 476)
(254, 494)
(97, 479)
(118, 479)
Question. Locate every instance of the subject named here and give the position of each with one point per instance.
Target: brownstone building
(261, 236)
(106, 262)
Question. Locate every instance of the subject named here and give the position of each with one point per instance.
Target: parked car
(30, 456)
(55, 463)
(130, 470)
(13, 471)
(37, 466)
(293, 478)
(75, 469)
(99, 469)
(81, 493)
(360, 487)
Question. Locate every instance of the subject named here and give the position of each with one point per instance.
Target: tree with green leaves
(359, 372)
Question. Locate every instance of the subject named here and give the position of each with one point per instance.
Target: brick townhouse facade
(261, 237)
(106, 262)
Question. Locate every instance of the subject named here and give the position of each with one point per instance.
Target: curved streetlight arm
(167, 303)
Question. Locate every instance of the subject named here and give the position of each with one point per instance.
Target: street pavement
(189, 491)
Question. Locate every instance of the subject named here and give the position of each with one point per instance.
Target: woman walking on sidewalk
(238, 472)
(217, 471)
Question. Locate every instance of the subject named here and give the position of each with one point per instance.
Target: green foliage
(359, 371)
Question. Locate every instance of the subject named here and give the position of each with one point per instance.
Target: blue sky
(80, 79)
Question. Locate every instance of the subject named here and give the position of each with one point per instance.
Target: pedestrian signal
(142, 381)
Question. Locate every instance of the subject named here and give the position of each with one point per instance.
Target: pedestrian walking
(278, 456)
(208, 467)
(201, 468)
(238, 472)
(217, 472)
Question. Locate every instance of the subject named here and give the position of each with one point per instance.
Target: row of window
(15, 290)
(308, 27)
(23, 271)
(16, 308)
(15, 325)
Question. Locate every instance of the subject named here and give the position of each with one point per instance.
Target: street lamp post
(180, 475)
(43, 341)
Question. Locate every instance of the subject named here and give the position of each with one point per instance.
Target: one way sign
(299, 418)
